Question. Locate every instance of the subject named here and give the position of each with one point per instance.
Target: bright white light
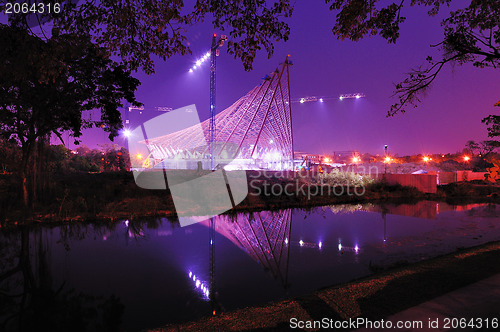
(301, 243)
(197, 283)
(198, 63)
(341, 97)
(286, 241)
(356, 248)
(126, 223)
(271, 141)
(340, 246)
(191, 70)
(194, 67)
(207, 54)
(190, 274)
(127, 133)
(194, 278)
(358, 96)
(302, 100)
(320, 100)
(320, 244)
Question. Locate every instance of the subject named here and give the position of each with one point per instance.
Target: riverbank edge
(24, 218)
(112, 197)
(373, 297)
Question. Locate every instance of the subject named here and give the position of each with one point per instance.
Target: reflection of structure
(256, 131)
(262, 235)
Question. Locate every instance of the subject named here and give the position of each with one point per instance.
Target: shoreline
(374, 297)
(107, 197)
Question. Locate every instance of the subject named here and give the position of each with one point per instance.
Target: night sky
(448, 116)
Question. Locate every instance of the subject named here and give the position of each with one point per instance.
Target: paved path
(479, 300)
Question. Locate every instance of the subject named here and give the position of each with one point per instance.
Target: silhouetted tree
(47, 85)
(134, 30)
(471, 36)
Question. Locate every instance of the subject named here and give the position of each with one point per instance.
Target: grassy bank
(109, 196)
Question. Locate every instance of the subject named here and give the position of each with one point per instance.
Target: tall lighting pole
(216, 43)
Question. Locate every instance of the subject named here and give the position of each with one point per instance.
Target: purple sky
(449, 115)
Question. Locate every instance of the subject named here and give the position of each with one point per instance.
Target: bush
(340, 178)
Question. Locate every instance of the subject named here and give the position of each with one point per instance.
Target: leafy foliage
(46, 86)
(471, 35)
(137, 29)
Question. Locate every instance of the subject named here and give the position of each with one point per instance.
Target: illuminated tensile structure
(253, 133)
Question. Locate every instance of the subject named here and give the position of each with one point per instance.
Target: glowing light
(286, 241)
(302, 100)
(356, 159)
(190, 274)
(194, 278)
(320, 100)
(197, 283)
(207, 54)
(340, 246)
(358, 96)
(356, 248)
(126, 223)
(320, 244)
(466, 158)
(198, 63)
(191, 70)
(194, 67)
(426, 159)
(301, 243)
(387, 159)
(341, 97)
(271, 141)
(127, 133)
(139, 156)
(327, 160)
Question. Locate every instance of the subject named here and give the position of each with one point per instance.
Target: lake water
(128, 276)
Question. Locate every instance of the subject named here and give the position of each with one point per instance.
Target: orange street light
(387, 159)
(466, 158)
(426, 159)
(139, 156)
(356, 160)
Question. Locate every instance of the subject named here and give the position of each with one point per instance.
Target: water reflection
(134, 275)
(31, 299)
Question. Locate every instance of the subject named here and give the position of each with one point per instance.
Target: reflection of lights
(320, 244)
(199, 284)
(341, 97)
(320, 100)
(358, 96)
(286, 240)
(340, 246)
(356, 248)
(126, 223)
(301, 243)
(302, 100)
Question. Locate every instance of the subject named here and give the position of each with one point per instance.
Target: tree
(46, 86)
(134, 30)
(483, 148)
(471, 35)
(494, 122)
